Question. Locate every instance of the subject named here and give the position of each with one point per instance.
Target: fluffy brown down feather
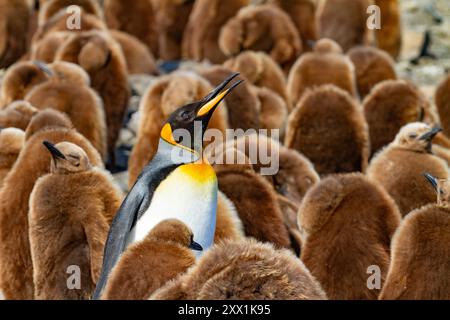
(203, 29)
(329, 128)
(245, 270)
(420, 267)
(372, 66)
(347, 223)
(16, 270)
(262, 28)
(69, 220)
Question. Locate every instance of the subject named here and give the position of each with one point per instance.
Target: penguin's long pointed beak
(211, 101)
(195, 246)
(44, 68)
(432, 180)
(428, 136)
(53, 151)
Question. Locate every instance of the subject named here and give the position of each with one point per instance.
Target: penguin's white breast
(189, 194)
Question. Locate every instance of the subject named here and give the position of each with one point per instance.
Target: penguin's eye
(185, 115)
(413, 135)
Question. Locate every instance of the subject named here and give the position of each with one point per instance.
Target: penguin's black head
(186, 126)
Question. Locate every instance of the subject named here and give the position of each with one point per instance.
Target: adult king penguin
(176, 184)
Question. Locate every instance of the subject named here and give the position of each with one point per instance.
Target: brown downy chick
(399, 167)
(372, 66)
(45, 49)
(344, 21)
(303, 14)
(389, 36)
(135, 17)
(204, 26)
(262, 28)
(51, 7)
(329, 128)
(442, 100)
(260, 70)
(102, 58)
(16, 269)
(14, 24)
(160, 100)
(47, 119)
(273, 110)
(139, 58)
(17, 115)
(245, 270)
(391, 105)
(71, 209)
(335, 68)
(243, 105)
(171, 19)
(58, 23)
(147, 265)
(256, 203)
(19, 79)
(347, 223)
(11, 143)
(420, 267)
(81, 103)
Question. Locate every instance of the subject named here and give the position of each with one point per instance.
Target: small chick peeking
(417, 137)
(67, 158)
(442, 188)
(176, 184)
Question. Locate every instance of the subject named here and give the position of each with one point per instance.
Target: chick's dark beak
(428, 136)
(195, 246)
(432, 180)
(56, 154)
(43, 67)
(209, 104)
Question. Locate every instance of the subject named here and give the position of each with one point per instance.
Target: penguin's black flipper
(132, 208)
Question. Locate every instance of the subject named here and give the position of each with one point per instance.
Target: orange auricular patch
(199, 171)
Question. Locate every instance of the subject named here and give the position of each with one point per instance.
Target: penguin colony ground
(362, 180)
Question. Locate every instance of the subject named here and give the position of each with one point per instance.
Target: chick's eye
(413, 135)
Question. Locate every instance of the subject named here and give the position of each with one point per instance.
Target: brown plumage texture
(147, 265)
(420, 267)
(58, 22)
(11, 143)
(389, 36)
(256, 203)
(245, 270)
(135, 17)
(18, 81)
(400, 166)
(45, 49)
(228, 224)
(17, 115)
(347, 223)
(273, 110)
(70, 212)
(47, 118)
(52, 7)
(162, 98)
(171, 18)
(260, 70)
(303, 14)
(203, 29)
(242, 106)
(262, 28)
(344, 21)
(442, 100)
(137, 55)
(16, 270)
(101, 56)
(329, 128)
(372, 66)
(391, 105)
(14, 23)
(295, 175)
(82, 104)
(335, 68)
